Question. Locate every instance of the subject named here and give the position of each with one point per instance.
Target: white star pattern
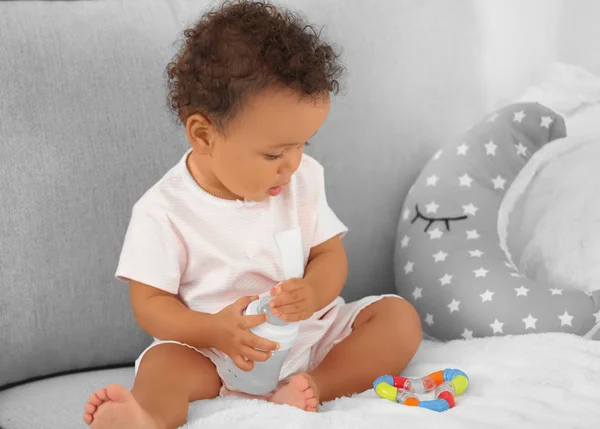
(490, 148)
(408, 268)
(556, 291)
(438, 154)
(470, 209)
(435, 234)
(440, 256)
(446, 279)
(472, 234)
(417, 293)
(597, 316)
(429, 319)
(432, 207)
(515, 275)
(498, 182)
(565, 319)
(453, 306)
(480, 272)
(462, 149)
(529, 322)
(405, 241)
(476, 253)
(546, 121)
(497, 326)
(406, 214)
(467, 335)
(521, 149)
(432, 180)
(486, 296)
(465, 180)
(522, 291)
(518, 117)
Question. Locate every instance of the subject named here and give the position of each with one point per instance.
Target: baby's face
(264, 144)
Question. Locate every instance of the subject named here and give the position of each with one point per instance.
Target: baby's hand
(294, 300)
(232, 335)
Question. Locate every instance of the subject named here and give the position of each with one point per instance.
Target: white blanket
(549, 219)
(546, 381)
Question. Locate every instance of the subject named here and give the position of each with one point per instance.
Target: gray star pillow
(448, 261)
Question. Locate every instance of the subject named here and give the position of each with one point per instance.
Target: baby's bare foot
(116, 408)
(301, 392)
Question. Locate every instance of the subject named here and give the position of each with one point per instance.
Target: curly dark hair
(241, 48)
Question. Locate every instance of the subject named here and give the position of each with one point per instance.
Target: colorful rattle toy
(446, 383)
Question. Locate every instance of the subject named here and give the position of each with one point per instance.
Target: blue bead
(384, 379)
(449, 374)
(438, 405)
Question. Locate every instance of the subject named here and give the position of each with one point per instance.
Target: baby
(251, 86)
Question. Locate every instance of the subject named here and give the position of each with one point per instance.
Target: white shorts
(317, 336)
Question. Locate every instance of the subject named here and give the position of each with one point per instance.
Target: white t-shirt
(212, 251)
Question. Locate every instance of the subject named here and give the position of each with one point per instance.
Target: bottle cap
(273, 329)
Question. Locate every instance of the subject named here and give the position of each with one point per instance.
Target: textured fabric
(559, 391)
(84, 131)
(449, 263)
(317, 337)
(57, 402)
(552, 214)
(564, 88)
(505, 391)
(211, 251)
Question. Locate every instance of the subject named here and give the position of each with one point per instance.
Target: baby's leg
(168, 378)
(385, 337)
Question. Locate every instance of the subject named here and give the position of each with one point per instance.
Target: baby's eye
(273, 157)
(431, 220)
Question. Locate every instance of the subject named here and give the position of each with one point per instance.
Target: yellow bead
(460, 383)
(386, 391)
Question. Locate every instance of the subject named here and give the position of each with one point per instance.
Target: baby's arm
(163, 316)
(327, 271)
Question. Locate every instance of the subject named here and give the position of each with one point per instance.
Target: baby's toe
(94, 400)
(87, 418)
(102, 395)
(309, 392)
(312, 402)
(118, 393)
(89, 408)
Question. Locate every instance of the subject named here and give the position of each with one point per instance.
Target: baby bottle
(264, 377)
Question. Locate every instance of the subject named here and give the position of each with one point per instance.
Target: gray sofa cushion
(56, 403)
(84, 131)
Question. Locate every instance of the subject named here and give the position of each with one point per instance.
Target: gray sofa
(84, 131)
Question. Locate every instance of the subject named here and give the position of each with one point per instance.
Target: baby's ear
(200, 133)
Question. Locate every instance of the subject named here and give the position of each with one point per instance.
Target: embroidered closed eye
(431, 220)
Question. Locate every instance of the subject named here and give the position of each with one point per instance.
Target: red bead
(448, 397)
(400, 382)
